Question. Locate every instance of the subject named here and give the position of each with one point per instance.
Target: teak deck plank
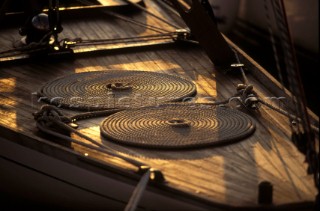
(228, 174)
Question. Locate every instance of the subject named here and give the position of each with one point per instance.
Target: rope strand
(130, 20)
(49, 115)
(152, 14)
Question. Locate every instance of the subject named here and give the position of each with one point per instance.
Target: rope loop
(247, 96)
(49, 115)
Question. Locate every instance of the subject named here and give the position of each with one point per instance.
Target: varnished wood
(229, 174)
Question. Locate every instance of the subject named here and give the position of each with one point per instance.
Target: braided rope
(49, 116)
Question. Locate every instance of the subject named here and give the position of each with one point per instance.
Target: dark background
(256, 43)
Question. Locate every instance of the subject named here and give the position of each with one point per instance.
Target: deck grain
(229, 174)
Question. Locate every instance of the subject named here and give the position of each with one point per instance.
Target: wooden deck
(229, 174)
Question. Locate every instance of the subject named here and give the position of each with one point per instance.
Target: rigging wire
(290, 62)
(42, 42)
(49, 115)
(83, 42)
(41, 126)
(164, 34)
(138, 192)
(274, 46)
(243, 74)
(37, 47)
(291, 118)
(167, 4)
(130, 20)
(152, 14)
(296, 88)
(259, 100)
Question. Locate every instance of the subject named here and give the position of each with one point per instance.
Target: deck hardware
(179, 122)
(41, 27)
(248, 96)
(227, 164)
(52, 47)
(182, 35)
(36, 23)
(265, 195)
(118, 86)
(54, 21)
(42, 30)
(155, 174)
(73, 125)
(237, 65)
(37, 29)
(252, 102)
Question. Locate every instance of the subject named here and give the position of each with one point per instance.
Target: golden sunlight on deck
(7, 104)
(228, 174)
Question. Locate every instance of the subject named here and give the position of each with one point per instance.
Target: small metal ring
(118, 86)
(178, 123)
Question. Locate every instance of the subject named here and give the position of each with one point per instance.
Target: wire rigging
(152, 14)
(49, 115)
(43, 45)
(131, 20)
(291, 118)
(291, 64)
(297, 93)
